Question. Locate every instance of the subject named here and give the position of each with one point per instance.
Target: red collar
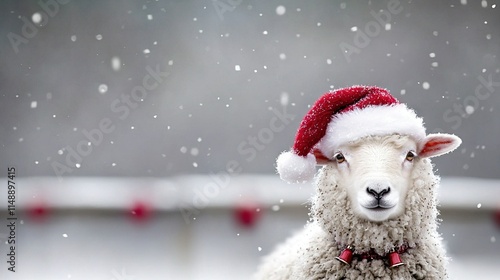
(393, 259)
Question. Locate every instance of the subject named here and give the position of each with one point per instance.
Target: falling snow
(36, 18)
(115, 59)
(469, 109)
(116, 63)
(103, 88)
(280, 10)
(284, 99)
(194, 151)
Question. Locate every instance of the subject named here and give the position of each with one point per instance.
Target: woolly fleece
(310, 254)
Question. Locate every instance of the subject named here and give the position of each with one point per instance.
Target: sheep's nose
(377, 191)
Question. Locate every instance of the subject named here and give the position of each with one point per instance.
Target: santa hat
(341, 116)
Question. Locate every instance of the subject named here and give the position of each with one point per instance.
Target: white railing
(218, 191)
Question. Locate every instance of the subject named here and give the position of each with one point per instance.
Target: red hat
(345, 115)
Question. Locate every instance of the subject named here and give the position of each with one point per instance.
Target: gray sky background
(235, 70)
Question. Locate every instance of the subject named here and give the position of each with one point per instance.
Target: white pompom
(293, 168)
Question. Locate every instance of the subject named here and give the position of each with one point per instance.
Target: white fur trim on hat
(370, 121)
(293, 168)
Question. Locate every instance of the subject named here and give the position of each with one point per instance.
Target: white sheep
(374, 213)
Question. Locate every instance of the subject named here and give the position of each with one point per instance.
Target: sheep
(374, 214)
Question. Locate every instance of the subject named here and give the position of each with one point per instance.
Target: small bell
(346, 255)
(394, 259)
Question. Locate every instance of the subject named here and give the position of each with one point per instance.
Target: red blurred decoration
(247, 214)
(395, 260)
(38, 211)
(346, 255)
(496, 216)
(140, 211)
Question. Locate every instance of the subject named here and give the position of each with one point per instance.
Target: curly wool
(310, 254)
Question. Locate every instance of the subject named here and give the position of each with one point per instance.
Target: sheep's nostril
(384, 191)
(379, 193)
(372, 192)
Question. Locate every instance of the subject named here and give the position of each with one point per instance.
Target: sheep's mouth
(378, 206)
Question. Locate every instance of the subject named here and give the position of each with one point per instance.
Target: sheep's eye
(410, 156)
(339, 157)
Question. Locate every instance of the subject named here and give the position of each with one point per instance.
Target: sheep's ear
(321, 159)
(438, 144)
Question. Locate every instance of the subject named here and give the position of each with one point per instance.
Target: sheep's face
(376, 173)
